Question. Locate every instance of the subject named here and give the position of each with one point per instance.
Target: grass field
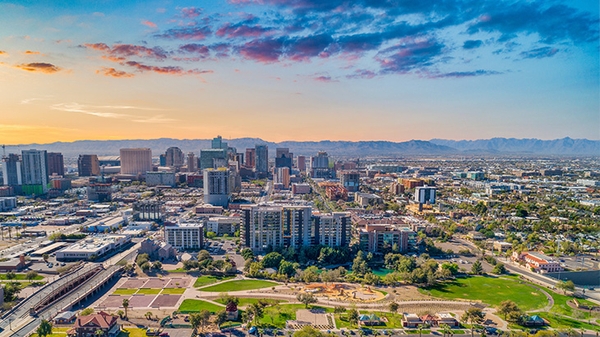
(148, 291)
(173, 291)
(132, 332)
(209, 279)
(125, 291)
(190, 305)
(239, 285)
(247, 301)
(558, 322)
(394, 320)
(490, 290)
(56, 332)
(178, 270)
(417, 332)
(21, 277)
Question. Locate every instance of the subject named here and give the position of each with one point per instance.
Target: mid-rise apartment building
(381, 238)
(185, 236)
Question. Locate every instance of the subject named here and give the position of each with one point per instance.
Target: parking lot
(219, 248)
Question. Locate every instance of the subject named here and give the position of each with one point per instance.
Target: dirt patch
(114, 301)
(178, 283)
(141, 301)
(169, 301)
(156, 283)
(133, 283)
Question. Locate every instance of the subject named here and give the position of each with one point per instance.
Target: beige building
(136, 161)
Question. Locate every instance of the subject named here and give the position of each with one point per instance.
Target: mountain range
(437, 147)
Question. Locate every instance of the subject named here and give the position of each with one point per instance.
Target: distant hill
(565, 146)
(495, 146)
(335, 148)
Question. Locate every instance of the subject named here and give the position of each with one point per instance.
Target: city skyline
(299, 70)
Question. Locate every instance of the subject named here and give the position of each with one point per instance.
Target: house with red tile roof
(86, 326)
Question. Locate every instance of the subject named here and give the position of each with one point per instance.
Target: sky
(298, 70)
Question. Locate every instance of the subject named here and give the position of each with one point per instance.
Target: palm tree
(99, 333)
(420, 330)
(125, 305)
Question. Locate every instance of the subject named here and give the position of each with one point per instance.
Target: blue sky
(299, 70)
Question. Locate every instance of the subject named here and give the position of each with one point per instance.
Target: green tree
(145, 267)
(271, 260)
(10, 275)
(195, 321)
(31, 275)
(157, 265)
(256, 311)
(499, 269)
(125, 305)
(477, 268)
(306, 299)
(308, 331)
(353, 316)
(510, 311)
(566, 286)
(247, 254)
(44, 329)
(220, 318)
(99, 332)
(204, 255)
(393, 307)
(473, 316)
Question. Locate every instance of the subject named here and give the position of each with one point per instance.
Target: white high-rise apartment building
(185, 236)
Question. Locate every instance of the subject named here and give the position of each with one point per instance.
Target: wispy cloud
(112, 72)
(31, 52)
(539, 53)
(158, 119)
(39, 67)
(88, 110)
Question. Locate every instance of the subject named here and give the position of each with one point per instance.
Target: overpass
(66, 293)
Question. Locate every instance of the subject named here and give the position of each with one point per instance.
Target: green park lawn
(560, 322)
(239, 285)
(490, 290)
(209, 279)
(148, 291)
(125, 291)
(247, 301)
(417, 332)
(191, 305)
(172, 291)
(21, 277)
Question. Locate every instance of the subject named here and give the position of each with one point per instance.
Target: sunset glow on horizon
(299, 70)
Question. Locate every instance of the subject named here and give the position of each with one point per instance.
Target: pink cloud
(149, 24)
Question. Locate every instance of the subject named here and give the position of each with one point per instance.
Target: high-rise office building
(301, 163)
(174, 157)
(319, 166)
(218, 143)
(262, 159)
(350, 180)
(88, 165)
(11, 170)
(192, 162)
(136, 161)
(282, 176)
(425, 195)
(34, 171)
(217, 186)
(283, 158)
(212, 158)
(250, 158)
(56, 165)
